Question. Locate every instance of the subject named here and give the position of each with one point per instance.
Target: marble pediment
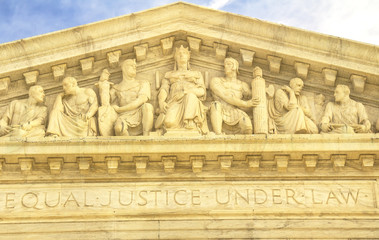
(178, 183)
(151, 37)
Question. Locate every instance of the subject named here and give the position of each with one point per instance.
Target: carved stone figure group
(125, 109)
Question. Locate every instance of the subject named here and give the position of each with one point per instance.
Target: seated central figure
(180, 97)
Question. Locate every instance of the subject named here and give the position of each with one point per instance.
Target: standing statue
(106, 114)
(228, 92)
(344, 115)
(73, 111)
(25, 118)
(290, 110)
(180, 97)
(130, 99)
(104, 87)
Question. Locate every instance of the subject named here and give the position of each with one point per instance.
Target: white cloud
(352, 19)
(217, 4)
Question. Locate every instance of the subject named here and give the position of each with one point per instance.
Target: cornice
(290, 43)
(153, 158)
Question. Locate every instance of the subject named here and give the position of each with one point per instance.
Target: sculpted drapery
(290, 110)
(73, 111)
(25, 118)
(181, 95)
(344, 115)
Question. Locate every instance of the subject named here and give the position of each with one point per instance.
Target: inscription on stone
(248, 196)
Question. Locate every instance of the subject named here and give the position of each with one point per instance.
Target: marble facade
(186, 122)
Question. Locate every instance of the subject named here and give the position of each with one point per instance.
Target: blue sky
(352, 19)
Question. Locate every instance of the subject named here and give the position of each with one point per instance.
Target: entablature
(218, 157)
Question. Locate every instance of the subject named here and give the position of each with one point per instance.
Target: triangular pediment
(151, 36)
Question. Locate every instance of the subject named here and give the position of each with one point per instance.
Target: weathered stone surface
(184, 181)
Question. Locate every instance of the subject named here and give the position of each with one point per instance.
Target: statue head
(297, 85)
(36, 92)
(320, 99)
(69, 85)
(231, 65)
(104, 75)
(182, 56)
(129, 67)
(257, 72)
(341, 93)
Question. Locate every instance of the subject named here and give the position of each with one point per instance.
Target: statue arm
(134, 104)
(5, 120)
(40, 120)
(246, 90)
(92, 99)
(327, 118)
(305, 107)
(163, 94)
(221, 92)
(113, 97)
(58, 105)
(363, 119)
(199, 91)
(143, 97)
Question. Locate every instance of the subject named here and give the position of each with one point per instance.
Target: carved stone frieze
(4, 85)
(274, 63)
(114, 58)
(247, 57)
(215, 120)
(87, 65)
(302, 69)
(31, 78)
(141, 51)
(167, 45)
(330, 76)
(59, 71)
(220, 50)
(194, 43)
(358, 83)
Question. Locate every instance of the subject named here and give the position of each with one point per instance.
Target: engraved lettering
(313, 198)
(275, 195)
(245, 198)
(166, 197)
(346, 198)
(156, 196)
(9, 200)
(257, 198)
(176, 200)
(143, 198)
(332, 195)
(71, 198)
(109, 200)
(52, 205)
(86, 204)
(290, 193)
(195, 197)
(29, 200)
(124, 203)
(224, 202)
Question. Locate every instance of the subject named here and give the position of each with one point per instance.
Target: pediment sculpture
(235, 107)
(25, 118)
(180, 97)
(74, 110)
